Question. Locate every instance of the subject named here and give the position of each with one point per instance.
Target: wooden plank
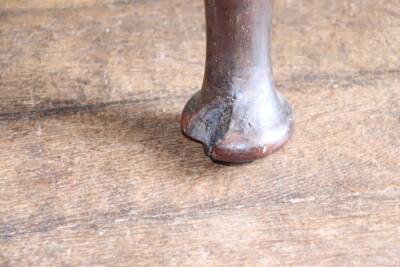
(122, 182)
(71, 56)
(95, 172)
(57, 55)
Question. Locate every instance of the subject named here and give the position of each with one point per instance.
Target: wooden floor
(95, 172)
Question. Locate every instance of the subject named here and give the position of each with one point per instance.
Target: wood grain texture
(95, 172)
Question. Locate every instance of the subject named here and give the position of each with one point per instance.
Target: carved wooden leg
(238, 115)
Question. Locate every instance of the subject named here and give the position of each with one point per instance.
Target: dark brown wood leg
(238, 115)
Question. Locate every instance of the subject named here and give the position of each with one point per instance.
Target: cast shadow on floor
(159, 137)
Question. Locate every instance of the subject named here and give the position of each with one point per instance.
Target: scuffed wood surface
(95, 172)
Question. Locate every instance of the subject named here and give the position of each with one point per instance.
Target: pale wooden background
(95, 172)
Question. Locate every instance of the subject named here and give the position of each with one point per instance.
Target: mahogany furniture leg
(238, 115)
